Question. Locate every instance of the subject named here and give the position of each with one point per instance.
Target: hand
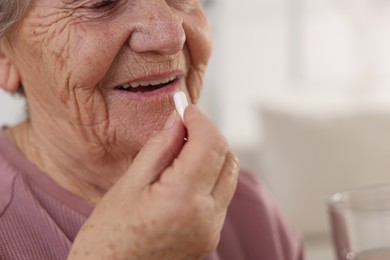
(172, 201)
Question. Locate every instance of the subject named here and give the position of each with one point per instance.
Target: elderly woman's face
(103, 71)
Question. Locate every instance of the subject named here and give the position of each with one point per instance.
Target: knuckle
(234, 163)
(220, 145)
(233, 171)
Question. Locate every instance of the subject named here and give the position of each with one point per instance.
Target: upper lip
(151, 80)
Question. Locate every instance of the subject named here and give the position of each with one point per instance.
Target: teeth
(156, 82)
(148, 83)
(134, 85)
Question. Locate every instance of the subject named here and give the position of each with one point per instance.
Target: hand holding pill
(172, 187)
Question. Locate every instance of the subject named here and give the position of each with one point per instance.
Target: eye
(103, 3)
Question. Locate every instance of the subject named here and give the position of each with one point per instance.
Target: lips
(147, 85)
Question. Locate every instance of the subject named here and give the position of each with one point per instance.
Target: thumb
(159, 152)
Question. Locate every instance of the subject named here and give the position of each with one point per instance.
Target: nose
(160, 31)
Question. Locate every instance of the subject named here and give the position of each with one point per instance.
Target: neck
(76, 174)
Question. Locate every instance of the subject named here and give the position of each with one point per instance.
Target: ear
(9, 75)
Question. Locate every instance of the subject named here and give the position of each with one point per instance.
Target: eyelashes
(103, 4)
(98, 9)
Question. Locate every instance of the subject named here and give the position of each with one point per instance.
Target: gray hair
(10, 13)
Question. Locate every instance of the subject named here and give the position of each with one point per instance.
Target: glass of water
(360, 221)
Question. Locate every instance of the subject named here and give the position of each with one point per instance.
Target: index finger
(201, 160)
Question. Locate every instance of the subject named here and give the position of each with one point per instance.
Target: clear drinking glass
(360, 222)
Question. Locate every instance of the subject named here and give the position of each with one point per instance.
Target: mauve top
(39, 220)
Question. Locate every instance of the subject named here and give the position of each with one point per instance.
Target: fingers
(204, 163)
(227, 181)
(158, 153)
(203, 156)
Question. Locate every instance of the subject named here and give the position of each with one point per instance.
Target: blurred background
(301, 90)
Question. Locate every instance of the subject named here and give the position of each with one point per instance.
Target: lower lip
(166, 90)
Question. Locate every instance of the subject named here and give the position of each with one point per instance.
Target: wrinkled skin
(157, 197)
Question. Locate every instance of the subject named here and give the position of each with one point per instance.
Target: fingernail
(170, 121)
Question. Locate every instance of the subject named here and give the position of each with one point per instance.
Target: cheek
(134, 123)
(64, 54)
(199, 48)
(198, 35)
(78, 59)
(86, 56)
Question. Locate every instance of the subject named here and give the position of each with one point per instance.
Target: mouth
(147, 85)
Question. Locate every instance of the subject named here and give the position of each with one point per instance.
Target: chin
(132, 135)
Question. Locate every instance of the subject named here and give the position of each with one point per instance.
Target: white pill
(181, 103)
